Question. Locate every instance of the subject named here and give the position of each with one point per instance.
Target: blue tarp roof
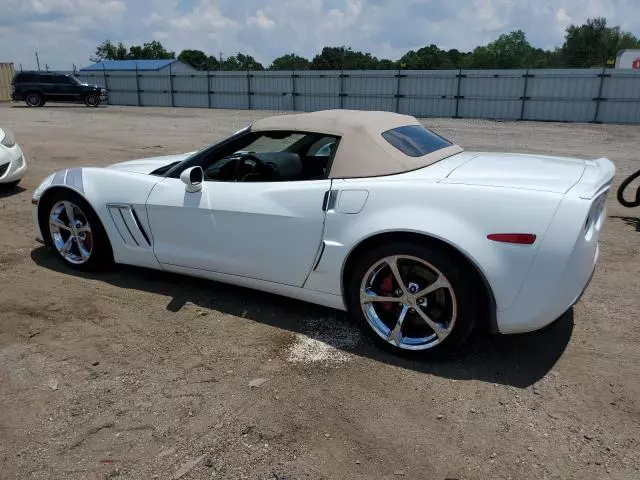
(129, 65)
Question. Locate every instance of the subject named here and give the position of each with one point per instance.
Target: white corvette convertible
(368, 212)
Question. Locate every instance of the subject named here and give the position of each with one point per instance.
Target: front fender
(103, 188)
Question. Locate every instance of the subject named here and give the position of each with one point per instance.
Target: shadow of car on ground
(516, 360)
(7, 190)
(633, 222)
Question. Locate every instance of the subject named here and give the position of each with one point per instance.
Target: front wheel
(413, 298)
(75, 232)
(92, 100)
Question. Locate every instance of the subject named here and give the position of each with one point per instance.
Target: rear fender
(460, 216)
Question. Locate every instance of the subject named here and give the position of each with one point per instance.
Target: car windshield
(198, 153)
(78, 82)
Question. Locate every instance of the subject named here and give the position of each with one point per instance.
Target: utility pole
(37, 60)
(220, 64)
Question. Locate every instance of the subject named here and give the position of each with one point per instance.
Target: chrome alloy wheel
(71, 232)
(408, 302)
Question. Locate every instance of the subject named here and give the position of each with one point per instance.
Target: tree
(426, 58)
(291, 61)
(110, 51)
(386, 64)
(153, 50)
(510, 50)
(241, 62)
(593, 43)
(456, 57)
(335, 58)
(199, 60)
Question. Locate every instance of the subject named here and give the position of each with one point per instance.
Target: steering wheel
(257, 167)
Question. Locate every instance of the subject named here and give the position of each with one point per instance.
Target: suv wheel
(92, 100)
(34, 99)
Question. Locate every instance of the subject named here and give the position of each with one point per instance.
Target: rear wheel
(34, 99)
(413, 298)
(75, 232)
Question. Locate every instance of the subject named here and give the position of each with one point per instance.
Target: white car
(12, 163)
(418, 239)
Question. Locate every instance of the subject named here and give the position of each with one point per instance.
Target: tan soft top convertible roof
(362, 152)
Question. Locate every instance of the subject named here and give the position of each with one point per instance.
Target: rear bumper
(538, 305)
(564, 264)
(17, 97)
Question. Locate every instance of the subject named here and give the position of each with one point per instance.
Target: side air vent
(129, 226)
(4, 168)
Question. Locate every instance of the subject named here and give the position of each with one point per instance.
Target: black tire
(101, 255)
(92, 100)
(34, 99)
(466, 303)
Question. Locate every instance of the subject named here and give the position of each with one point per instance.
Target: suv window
(64, 80)
(25, 78)
(415, 140)
(45, 79)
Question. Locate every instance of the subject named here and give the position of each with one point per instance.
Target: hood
(148, 165)
(511, 170)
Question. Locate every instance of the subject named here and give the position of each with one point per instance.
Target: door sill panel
(311, 296)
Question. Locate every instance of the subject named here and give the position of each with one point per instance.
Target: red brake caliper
(88, 240)
(386, 290)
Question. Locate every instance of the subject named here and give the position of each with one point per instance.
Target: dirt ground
(136, 374)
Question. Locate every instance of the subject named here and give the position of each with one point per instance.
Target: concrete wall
(578, 95)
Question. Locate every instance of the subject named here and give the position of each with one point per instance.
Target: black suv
(35, 88)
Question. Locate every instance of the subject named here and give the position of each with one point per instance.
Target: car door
(267, 231)
(66, 87)
(48, 85)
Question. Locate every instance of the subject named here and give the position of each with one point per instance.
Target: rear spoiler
(596, 178)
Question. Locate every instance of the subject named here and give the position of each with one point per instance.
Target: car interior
(273, 157)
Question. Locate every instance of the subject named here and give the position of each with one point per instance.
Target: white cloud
(261, 20)
(67, 31)
(152, 19)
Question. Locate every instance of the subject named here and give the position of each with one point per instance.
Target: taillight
(517, 238)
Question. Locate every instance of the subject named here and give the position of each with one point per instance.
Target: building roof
(362, 151)
(130, 65)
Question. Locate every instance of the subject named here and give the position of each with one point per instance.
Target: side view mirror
(192, 178)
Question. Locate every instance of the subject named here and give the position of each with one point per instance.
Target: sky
(65, 32)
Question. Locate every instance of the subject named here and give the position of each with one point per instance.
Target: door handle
(329, 201)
